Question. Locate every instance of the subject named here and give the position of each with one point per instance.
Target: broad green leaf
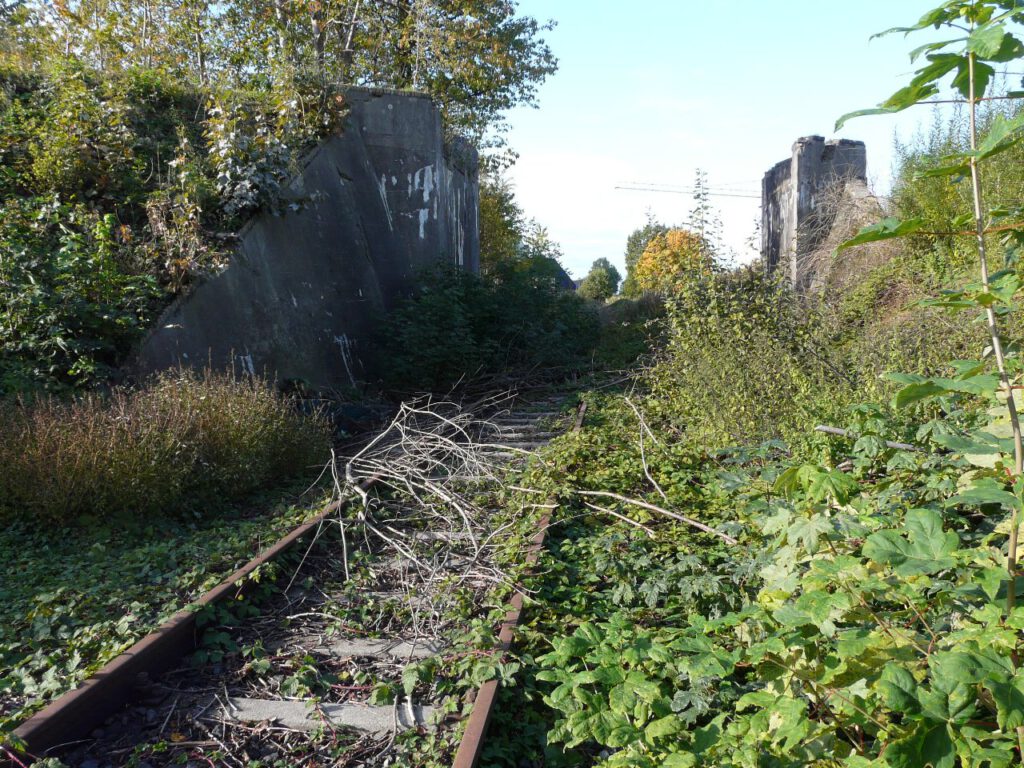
(1003, 134)
(939, 65)
(807, 530)
(899, 689)
(910, 95)
(611, 729)
(914, 393)
(834, 484)
(665, 726)
(926, 549)
(1011, 49)
(622, 699)
(986, 491)
(929, 47)
(923, 389)
(865, 113)
(933, 18)
(1009, 698)
(980, 449)
(986, 41)
(928, 746)
(952, 167)
(679, 760)
(886, 229)
(983, 73)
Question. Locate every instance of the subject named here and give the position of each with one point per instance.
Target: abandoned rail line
(380, 628)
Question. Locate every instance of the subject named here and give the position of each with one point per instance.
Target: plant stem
(997, 346)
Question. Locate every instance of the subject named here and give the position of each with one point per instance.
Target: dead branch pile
(841, 209)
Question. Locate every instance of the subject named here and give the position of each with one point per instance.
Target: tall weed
(184, 442)
(743, 363)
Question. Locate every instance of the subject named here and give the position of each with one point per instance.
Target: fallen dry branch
(661, 511)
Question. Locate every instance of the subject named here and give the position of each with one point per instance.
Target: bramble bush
(867, 615)
(744, 362)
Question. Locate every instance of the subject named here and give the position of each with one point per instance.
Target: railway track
(381, 634)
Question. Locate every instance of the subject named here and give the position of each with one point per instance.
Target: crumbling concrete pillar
(789, 198)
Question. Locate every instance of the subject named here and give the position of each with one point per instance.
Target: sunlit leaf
(886, 229)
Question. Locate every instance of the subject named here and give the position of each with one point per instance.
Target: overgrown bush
(72, 302)
(184, 441)
(460, 325)
(112, 190)
(743, 362)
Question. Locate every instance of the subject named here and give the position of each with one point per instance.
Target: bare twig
(623, 518)
(661, 511)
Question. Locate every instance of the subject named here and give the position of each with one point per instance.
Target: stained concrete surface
(299, 299)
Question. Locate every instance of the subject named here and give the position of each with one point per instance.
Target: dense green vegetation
(726, 587)
(134, 138)
(513, 321)
(72, 602)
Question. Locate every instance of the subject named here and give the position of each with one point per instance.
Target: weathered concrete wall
(383, 200)
(790, 195)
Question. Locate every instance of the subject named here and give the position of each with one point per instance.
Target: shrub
(185, 441)
(461, 325)
(743, 363)
(72, 304)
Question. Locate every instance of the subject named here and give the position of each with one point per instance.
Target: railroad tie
(303, 716)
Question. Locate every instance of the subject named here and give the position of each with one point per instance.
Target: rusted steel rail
(472, 744)
(78, 711)
(75, 714)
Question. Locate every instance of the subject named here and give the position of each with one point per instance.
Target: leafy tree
(636, 243)
(501, 223)
(537, 243)
(601, 282)
(477, 58)
(671, 259)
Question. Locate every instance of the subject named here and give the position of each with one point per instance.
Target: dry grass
(842, 209)
(184, 441)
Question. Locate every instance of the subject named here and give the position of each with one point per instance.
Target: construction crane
(672, 189)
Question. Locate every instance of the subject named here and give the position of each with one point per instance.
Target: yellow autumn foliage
(671, 259)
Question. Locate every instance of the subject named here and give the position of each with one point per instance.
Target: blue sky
(651, 90)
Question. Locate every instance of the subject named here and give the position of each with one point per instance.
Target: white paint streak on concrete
(346, 356)
(423, 181)
(424, 218)
(382, 188)
(247, 364)
(428, 182)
